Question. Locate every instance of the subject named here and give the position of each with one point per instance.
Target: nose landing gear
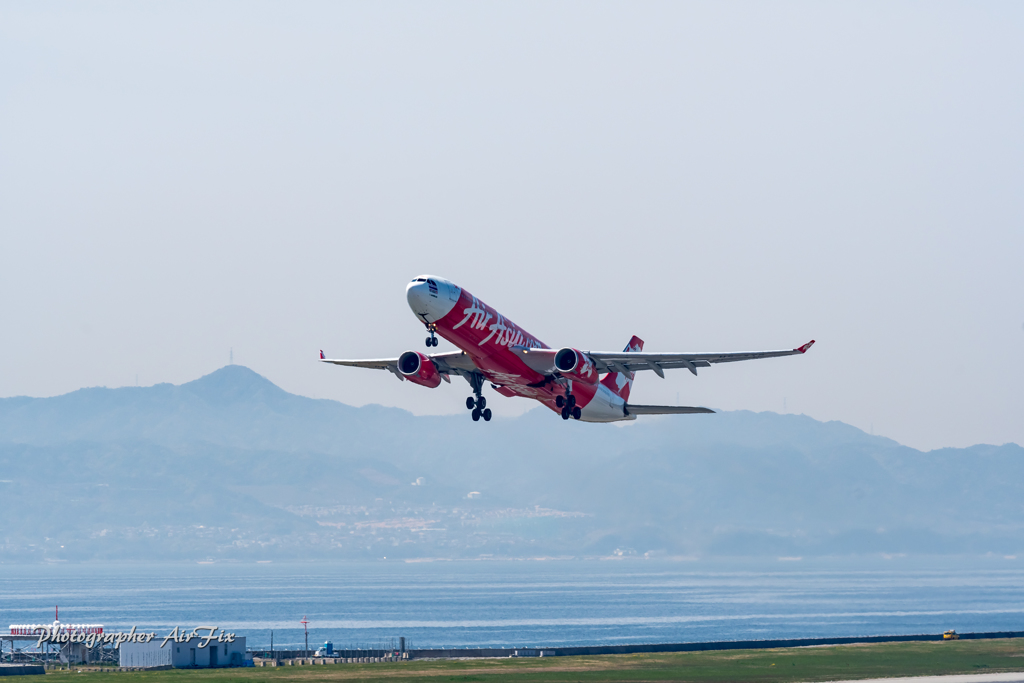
(431, 340)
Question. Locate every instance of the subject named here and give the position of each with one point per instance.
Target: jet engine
(576, 365)
(418, 369)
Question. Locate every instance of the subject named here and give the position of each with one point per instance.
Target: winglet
(803, 349)
(323, 357)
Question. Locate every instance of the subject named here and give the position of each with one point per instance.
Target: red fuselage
(489, 338)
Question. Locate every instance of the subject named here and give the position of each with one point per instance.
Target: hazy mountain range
(232, 467)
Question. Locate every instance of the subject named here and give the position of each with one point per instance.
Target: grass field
(761, 666)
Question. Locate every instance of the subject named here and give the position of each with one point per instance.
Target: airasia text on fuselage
(503, 331)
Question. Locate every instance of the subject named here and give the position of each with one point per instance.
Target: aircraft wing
(449, 363)
(633, 362)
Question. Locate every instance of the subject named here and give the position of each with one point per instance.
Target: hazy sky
(182, 178)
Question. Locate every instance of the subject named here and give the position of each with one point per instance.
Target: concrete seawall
(689, 647)
(21, 670)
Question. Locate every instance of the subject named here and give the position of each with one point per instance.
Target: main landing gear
(568, 405)
(477, 403)
(431, 340)
(479, 409)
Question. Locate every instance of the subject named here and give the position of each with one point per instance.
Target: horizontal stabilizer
(664, 410)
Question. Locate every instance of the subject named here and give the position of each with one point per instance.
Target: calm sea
(524, 604)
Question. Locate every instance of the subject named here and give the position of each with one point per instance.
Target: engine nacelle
(576, 365)
(418, 369)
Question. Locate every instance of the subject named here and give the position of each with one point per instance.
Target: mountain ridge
(252, 471)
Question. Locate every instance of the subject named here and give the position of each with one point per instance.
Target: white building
(183, 655)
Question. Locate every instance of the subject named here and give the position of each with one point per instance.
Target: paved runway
(1015, 677)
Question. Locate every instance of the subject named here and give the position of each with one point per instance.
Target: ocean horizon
(553, 603)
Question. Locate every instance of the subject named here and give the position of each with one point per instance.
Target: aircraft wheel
(570, 400)
(476, 414)
(429, 343)
(487, 414)
(470, 403)
(565, 413)
(576, 413)
(481, 403)
(434, 342)
(560, 401)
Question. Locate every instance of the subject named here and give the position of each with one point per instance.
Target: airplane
(495, 350)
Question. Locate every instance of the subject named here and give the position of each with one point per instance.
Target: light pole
(304, 622)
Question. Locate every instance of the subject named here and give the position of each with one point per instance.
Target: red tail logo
(620, 383)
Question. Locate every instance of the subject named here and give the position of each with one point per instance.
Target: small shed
(184, 655)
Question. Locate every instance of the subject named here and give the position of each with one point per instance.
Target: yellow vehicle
(950, 635)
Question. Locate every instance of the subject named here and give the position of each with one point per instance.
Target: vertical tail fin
(621, 382)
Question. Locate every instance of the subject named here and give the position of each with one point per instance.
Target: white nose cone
(431, 298)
